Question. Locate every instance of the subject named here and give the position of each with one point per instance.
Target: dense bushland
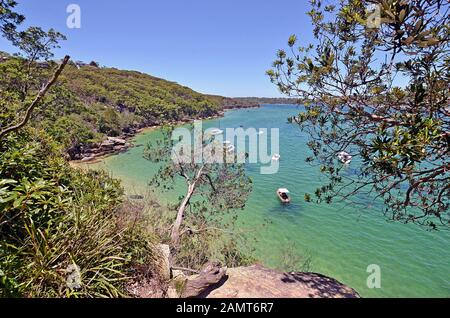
(61, 233)
(97, 102)
(66, 232)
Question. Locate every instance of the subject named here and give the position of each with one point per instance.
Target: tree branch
(36, 101)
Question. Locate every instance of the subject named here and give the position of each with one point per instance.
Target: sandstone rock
(107, 144)
(260, 282)
(164, 250)
(118, 141)
(119, 148)
(172, 292)
(177, 284)
(210, 275)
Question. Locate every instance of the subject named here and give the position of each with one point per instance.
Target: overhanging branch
(36, 101)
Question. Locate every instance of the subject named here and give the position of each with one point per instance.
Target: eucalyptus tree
(375, 84)
(215, 181)
(23, 81)
(9, 19)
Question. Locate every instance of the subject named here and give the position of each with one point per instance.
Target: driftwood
(210, 275)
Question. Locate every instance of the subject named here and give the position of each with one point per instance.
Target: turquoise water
(342, 240)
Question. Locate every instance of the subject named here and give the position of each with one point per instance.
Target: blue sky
(219, 47)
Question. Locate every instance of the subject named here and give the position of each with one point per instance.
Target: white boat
(276, 157)
(345, 157)
(283, 195)
(260, 132)
(216, 132)
(227, 142)
(230, 148)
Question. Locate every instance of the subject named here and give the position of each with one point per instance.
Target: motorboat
(276, 157)
(216, 132)
(283, 195)
(345, 157)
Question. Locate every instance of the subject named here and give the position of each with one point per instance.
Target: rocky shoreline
(112, 145)
(115, 145)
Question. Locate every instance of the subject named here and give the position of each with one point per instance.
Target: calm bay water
(342, 240)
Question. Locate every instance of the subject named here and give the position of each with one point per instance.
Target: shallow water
(342, 240)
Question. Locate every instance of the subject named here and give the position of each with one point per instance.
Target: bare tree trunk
(175, 234)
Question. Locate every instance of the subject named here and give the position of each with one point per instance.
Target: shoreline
(99, 156)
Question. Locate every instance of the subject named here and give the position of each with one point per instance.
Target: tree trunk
(175, 235)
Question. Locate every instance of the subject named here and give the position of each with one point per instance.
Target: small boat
(345, 157)
(260, 132)
(216, 132)
(230, 148)
(276, 157)
(227, 142)
(283, 194)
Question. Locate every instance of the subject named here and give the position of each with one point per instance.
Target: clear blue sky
(213, 46)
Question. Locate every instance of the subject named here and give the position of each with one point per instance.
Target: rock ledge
(258, 281)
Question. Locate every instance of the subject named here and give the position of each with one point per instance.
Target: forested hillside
(249, 102)
(65, 232)
(99, 102)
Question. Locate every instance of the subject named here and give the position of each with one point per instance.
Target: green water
(341, 239)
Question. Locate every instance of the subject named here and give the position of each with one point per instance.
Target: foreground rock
(211, 275)
(260, 282)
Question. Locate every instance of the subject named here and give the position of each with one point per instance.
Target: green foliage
(53, 216)
(37, 44)
(96, 102)
(154, 101)
(215, 191)
(9, 19)
(225, 244)
(61, 230)
(399, 136)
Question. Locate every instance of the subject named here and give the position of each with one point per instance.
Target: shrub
(61, 234)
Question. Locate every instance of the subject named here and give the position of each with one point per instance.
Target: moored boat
(229, 148)
(345, 157)
(216, 132)
(283, 195)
